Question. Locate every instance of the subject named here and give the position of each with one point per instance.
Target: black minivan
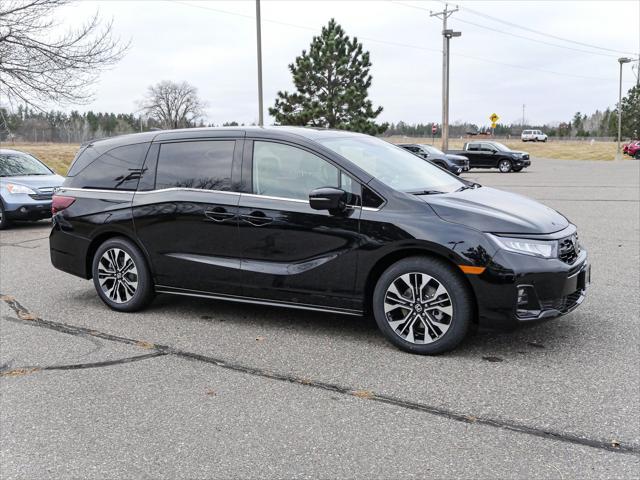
(312, 219)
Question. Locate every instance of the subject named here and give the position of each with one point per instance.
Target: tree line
(331, 79)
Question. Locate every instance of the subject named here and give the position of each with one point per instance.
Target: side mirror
(328, 198)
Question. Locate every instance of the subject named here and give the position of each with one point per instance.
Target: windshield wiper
(426, 192)
(473, 186)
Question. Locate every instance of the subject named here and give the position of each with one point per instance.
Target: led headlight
(15, 189)
(526, 246)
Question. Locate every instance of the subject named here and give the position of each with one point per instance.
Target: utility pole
(259, 36)
(446, 36)
(621, 61)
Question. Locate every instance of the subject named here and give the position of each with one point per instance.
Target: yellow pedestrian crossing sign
(494, 118)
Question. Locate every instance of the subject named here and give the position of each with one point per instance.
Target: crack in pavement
(14, 372)
(19, 244)
(612, 446)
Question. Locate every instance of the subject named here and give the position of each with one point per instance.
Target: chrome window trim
(145, 192)
(252, 195)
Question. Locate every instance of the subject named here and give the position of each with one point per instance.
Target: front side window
(204, 165)
(392, 165)
(14, 164)
(284, 171)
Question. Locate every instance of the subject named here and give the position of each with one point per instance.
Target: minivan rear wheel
(422, 305)
(504, 165)
(121, 275)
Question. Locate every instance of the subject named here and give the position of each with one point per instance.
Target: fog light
(527, 304)
(23, 209)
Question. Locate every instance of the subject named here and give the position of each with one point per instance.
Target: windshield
(14, 164)
(432, 150)
(392, 165)
(501, 147)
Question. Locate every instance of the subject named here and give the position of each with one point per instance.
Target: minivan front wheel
(422, 305)
(121, 275)
(504, 166)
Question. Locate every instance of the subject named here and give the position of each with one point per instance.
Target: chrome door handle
(257, 219)
(218, 214)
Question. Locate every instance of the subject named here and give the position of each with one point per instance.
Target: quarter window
(118, 169)
(284, 171)
(203, 165)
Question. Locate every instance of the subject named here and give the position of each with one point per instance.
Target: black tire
(505, 165)
(144, 290)
(461, 300)
(637, 155)
(4, 221)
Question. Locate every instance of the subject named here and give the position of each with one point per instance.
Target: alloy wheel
(418, 308)
(504, 166)
(118, 275)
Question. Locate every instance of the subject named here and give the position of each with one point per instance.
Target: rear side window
(203, 165)
(84, 157)
(118, 169)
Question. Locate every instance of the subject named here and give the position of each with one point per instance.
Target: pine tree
(631, 113)
(332, 82)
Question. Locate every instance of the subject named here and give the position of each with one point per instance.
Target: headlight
(15, 189)
(526, 246)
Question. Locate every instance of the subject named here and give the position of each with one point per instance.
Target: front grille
(569, 249)
(44, 193)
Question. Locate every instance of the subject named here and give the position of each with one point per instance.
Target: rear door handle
(218, 214)
(257, 218)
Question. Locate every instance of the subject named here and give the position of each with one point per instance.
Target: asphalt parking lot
(199, 389)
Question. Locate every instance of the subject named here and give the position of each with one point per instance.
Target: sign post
(434, 129)
(494, 122)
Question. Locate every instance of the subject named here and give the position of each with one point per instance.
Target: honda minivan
(312, 219)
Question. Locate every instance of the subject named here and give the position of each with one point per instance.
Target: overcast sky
(491, 71)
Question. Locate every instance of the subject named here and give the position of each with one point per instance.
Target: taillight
(60, 202)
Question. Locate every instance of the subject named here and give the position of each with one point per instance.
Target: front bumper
(521, 162)
(516, 289)
(29, 211)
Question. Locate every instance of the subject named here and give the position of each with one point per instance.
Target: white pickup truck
(533, 136)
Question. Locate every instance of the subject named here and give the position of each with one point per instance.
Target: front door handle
(257, 218)
(218, 214)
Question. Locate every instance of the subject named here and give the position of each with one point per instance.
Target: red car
(633, 149)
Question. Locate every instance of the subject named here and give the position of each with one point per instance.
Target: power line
(538, 32)
(502, 32)
(398, 44)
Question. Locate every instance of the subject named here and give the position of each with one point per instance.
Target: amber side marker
(472, 270)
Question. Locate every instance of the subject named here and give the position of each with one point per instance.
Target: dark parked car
(485, 154)
(454, 163)
(312, 219)
(26, 187)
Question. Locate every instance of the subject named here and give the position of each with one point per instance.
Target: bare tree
(173, 105)
(38, 67)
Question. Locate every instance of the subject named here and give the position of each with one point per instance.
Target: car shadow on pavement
(549, 336)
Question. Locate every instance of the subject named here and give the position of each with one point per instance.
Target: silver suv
(533, 136)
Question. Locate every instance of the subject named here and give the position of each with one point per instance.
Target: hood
(491, 210)
(35, 181)
(452, 156)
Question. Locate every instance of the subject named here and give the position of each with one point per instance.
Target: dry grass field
(59, 155)
(560, 150)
